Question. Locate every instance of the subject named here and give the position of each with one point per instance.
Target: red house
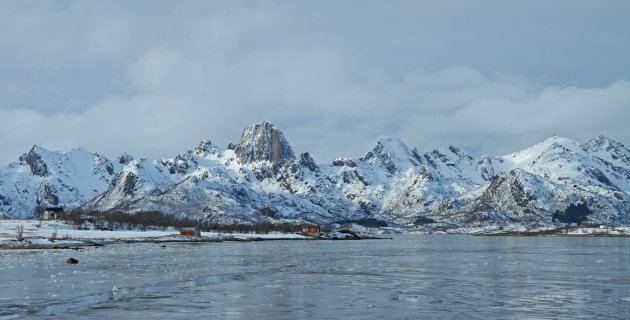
(311, 231)
(193, 232)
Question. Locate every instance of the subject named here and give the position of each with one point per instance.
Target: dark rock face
(46, 194)
(381, 156)
(511, 195)
(110, 169)
(49, 195)
(308, 162)
(617, 150)
(204, 147)
(267, 211)
(263, 142)
(4, 200)
(517, 189)
(425, 174)
(102, 163)
(340, 162)
(179, 166)
(124, 158)
(599, 176)
(130, 184)
(36, 163)
(488, 197)
(485, 168)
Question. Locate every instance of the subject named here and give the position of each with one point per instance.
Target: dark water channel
(409, 277)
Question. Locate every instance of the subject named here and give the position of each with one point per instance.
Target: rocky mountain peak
(307, 161)
(124, 158)
(603, 143)
(263, 142)
(34, 160)
(392, 154)
(549, 150)
(205, 147)
(341, 162)
(598, 141)
(485, 167)
(557, 141)
(102, 162)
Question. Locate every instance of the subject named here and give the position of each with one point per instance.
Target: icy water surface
(409, 277)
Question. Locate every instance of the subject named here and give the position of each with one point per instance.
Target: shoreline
(77, 244)
(55, 234)
(574, 231)
(539, 234)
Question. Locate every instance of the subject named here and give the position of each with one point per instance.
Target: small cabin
(312, 231)
(53, 213)
(192, 232)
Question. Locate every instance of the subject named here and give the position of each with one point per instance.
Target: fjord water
(408, 277)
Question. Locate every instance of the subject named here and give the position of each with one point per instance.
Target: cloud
(154, 80)
(455, 106)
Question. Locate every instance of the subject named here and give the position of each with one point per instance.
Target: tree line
(117, 220)
(573, 214)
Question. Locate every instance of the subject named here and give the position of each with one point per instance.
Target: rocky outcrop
(340, 162)
(124, 159)
(393, 155)
(35, 162)
(308, 162)
(263, 142)
(46, 195)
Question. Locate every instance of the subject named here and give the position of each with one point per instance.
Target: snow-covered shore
(57, 234)
(567, 231)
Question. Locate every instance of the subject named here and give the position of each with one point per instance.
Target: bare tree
(53, 236)
(39, 211)
(19, 233)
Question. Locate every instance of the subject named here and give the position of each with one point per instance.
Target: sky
(154, 78)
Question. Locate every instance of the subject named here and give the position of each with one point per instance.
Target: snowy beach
(57, 234)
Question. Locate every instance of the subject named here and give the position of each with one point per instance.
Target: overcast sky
(153, 78)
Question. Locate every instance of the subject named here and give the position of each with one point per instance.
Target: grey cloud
(154, 78)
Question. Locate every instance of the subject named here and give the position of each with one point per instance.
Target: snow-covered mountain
(261, 179)
(42, 177)
(258, 179)
(528, 186)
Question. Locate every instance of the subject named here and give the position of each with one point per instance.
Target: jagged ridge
(260, 179)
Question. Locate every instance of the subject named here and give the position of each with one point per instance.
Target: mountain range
(262, 179)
